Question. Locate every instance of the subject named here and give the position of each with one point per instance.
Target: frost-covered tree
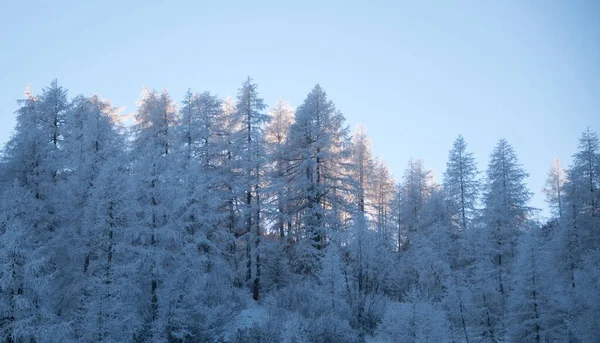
(577, 236)
(282, 116)
(584, 174)
(585, 309)
(23, 153)
(317, 148)
(461, 184)
(109, 291)
(506, 197)
(534, 307)
(578, 231)
(91, 141)
(152, 151)
(362, 168)
(249, 143)
(415, 320)
(382, 193)
(505, 214)
(31, 231)
(415, 190)
(163, 232)
(203, 172)
(554, 188)
(26, 276)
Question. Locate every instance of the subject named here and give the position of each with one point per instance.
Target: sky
(414, 74)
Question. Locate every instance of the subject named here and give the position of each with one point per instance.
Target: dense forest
(221, 220)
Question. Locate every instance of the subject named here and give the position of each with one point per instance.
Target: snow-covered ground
(254, 313)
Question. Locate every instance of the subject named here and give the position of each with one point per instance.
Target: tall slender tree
(505, 214)
(152, 152)
(249, 142)
(554, 188)
(461, 184)
(317, 147)
(282, 116)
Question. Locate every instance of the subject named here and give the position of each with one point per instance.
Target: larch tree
(417, 185)
(30, 231)
(506, 213)
(282, 116)
(534, 309)
(578, 230)
(153, 167)
(578, 236)
(249, 142)
(91, 141)
(461, 184)
(362, 165)
(554, 188)
(317, 145)
(108, 310)
(382, 193)
(160, 231)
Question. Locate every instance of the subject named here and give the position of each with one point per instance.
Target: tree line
(166, 230)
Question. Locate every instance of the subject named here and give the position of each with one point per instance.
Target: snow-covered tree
(506, 213)
(461, 184)
(31, 231)
(535, 310)
(554, 188)
(416, 320)
(153, 145)
(317, 147)
(249, 143)
(165, 231)
(282, 116)
(417, 184)
(109, 291)
(382, 193)
(26, 264)
(362, 168)
(584, 174)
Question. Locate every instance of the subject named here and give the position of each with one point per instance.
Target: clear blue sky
(415, 74)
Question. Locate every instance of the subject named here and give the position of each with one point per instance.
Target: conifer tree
(461, 184)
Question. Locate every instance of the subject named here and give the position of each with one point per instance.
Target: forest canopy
(226, 220)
